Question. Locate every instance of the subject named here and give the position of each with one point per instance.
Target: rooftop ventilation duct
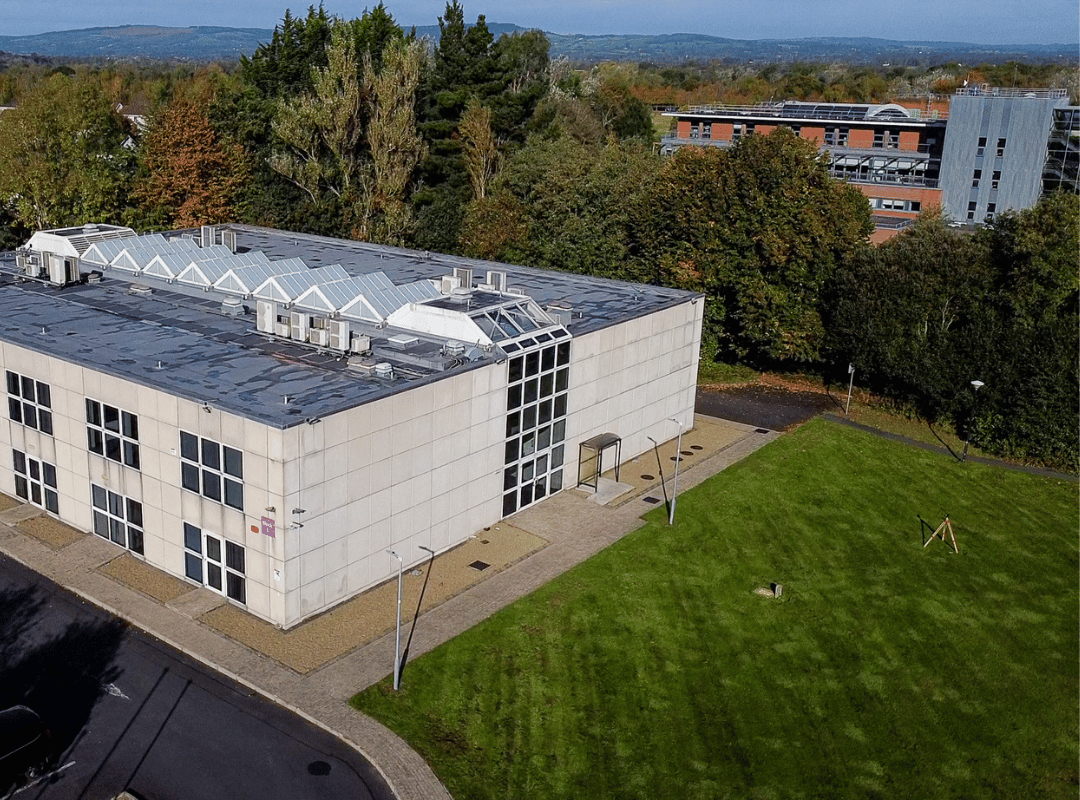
(560, 311)
(140, 291)
(232, 306)
(402, 341)
(453, 349)
(207, 235)
(384, 369)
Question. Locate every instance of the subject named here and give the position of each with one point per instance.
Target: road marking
(39, 779)
(115, 691)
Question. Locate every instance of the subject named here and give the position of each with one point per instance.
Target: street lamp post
(967, 434)
(851, 382)
(397, 638)
(675, 483)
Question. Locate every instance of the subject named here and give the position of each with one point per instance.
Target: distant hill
(207, 43)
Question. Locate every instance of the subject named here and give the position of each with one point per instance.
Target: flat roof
(179, 340)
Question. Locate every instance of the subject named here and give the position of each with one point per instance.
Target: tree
(479, 148)
(190, 176)
(65, 157)
(393, 140)
(764, 225)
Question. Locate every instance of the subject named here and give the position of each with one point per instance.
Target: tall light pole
(851, 382)
(397, 639)
(675, 483)
(967, 434)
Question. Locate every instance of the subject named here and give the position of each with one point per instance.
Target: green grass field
(885, 670)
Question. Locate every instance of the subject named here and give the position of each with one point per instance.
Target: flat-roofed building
(273, 445)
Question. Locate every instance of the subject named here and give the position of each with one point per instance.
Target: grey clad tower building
(996, 149)
(266, 414)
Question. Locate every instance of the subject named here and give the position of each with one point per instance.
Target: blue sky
(987, 22)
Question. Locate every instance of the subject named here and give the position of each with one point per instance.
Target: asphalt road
(763, 406)
(129, 712)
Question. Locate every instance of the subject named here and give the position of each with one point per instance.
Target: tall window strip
(214, 470)
(35, 481)
(29, 402)
(215, 562)
(112, 432)
(117, 518)
(536, 400)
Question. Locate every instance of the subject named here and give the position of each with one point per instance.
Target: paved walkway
(571, 525)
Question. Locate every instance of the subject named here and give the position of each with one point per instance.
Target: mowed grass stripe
(886, 669)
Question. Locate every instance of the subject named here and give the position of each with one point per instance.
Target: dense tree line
(484, 147)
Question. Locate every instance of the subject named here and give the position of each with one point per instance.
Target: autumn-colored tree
(479, 147)
(190, 176)
(395, 145)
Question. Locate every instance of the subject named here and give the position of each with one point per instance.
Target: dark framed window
(214, 470)
(29, 402)
(35, 481)
(117, 518)
(113, 433)
(215, 562)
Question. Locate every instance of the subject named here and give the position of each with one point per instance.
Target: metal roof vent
(140, 291)
(232, 306)
(460, 295)
(93, 276)
(363, 365)
(560, 311)
(453, 349)
(384, 369)
(402, 341)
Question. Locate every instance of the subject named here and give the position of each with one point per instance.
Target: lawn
(885, 669)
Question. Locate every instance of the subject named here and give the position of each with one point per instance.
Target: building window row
(35, 481)
(29, 402)
(117, 518)
(215, 562)
(214, 470)
(892, 204)
(112, 432)
(995, 178)
(1000, 150)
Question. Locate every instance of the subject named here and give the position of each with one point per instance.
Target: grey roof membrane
(180, 341)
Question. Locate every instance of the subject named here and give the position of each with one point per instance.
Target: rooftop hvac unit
(298, 326)
(340, 333)
(453, 349)
(365, 366)
(384, 369)
(360, 344)
(449, 283)
(464, 274)
(29, 263)
(319, 336)
(402, 341)
(265, 315)
(228, 238)
(497, 280)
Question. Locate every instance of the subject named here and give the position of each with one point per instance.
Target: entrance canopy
(591, 458)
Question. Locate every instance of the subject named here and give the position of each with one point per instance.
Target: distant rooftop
(186, 340)
(841, 112)
(985, 90)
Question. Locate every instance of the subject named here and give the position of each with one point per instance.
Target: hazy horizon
(996, 21)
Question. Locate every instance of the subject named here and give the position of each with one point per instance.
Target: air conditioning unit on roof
(340, 333)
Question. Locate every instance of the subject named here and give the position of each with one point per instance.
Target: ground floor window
(117, 518)
(215, 562)
(35, 481)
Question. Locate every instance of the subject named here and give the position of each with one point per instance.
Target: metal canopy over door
(591, 458)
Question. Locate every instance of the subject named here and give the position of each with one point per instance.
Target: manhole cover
(318, 768)
(696, 447)
(686, 452)
(648, 477)
(485, 541)
(761, 430)
(479, 566)
(673, 458)
(651, 499)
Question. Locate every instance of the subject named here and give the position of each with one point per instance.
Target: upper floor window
(995, 179)
(1001, 148)
(981, 150)
(29, 402)
(112, 432)
(975, 179)
(211, 469)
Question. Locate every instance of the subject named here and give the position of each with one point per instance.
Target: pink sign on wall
(268, 527)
